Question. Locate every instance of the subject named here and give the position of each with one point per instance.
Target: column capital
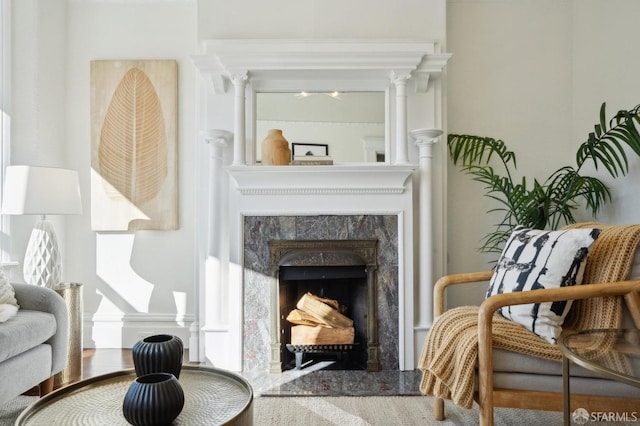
(239, 78)
(217, 136)
(399, 77)
(425, 139)
(218, 140)
(425, 136)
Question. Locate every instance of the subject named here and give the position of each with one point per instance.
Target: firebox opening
(347, 285)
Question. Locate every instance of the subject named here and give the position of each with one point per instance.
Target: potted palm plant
(547, 204)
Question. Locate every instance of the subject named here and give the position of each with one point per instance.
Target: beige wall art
(134, 145)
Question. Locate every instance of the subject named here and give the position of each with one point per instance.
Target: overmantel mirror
(346, 126)
(319, 91)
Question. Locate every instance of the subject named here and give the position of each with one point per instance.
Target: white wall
(144, 279)
(134, 283)
(534, 73)
(321, 19)
(605, 69)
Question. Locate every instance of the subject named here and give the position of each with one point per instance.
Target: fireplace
(242, 205)
(274, 242)
(343, 270)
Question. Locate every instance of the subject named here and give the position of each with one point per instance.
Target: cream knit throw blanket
(450, 351)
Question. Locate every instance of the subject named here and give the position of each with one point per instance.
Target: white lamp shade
(41, 190)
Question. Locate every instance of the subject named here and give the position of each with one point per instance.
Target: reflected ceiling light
(334, 94)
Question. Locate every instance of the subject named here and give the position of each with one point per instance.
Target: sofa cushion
(514, 362)
(534, 259)
(25, 331)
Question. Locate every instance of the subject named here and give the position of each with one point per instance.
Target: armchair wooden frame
(487, 397)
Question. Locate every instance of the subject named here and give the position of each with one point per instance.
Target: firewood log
(301, 317)
(322, 312)
(307, 335)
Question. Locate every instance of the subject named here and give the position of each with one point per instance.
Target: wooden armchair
(510, 365)
(488, 396)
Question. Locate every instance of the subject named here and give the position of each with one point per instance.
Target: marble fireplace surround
(260, 281)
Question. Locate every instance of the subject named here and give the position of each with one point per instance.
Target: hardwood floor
(102, 361)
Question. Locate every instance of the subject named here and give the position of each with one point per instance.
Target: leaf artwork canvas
(134, 145)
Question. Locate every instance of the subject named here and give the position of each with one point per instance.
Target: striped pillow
(534, 259)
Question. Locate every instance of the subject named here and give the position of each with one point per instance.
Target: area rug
(355, 411)
(381, 410)
(10, 411)
(348, 411)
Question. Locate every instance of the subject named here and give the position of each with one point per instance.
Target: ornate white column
(213, 294)
(239, 81)
(425, 138)
(400, 82)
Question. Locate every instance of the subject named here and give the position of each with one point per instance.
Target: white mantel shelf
(321, 180)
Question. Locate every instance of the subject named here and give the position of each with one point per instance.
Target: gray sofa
(34, 343)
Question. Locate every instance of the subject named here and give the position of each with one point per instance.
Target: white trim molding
(124, 330)
(321, 180)
(328, 59)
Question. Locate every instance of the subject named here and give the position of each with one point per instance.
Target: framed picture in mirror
(309, 150)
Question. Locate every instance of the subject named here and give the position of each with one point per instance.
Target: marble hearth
(260, 280)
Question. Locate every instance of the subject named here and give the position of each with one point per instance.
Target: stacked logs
(320, 321)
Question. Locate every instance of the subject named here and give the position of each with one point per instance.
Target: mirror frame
(279, 86)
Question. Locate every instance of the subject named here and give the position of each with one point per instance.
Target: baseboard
(123, 331)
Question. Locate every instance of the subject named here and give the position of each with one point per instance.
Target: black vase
(161, 353)
(153, 399)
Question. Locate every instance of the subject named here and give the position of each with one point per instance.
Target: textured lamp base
(42, 260)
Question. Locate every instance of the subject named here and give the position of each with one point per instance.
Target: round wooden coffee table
(212, 397)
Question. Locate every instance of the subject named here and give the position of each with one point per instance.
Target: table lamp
(30, 190)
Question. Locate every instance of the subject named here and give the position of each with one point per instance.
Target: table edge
(605, 372)
(32, 408)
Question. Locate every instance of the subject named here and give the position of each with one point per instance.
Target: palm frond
(469, 150)
(604, 147)
(553, 203)
(566, 185)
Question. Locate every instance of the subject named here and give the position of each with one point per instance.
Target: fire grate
(343, 351)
